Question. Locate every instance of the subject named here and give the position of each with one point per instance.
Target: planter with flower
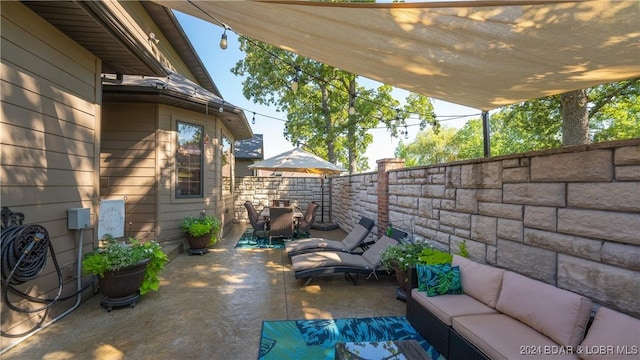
(125, 269)
(399, 259)
(202, 232)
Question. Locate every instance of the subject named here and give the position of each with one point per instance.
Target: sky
(205, 38)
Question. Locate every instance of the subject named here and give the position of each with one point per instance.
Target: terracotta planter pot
(200, 242)
(121, 287)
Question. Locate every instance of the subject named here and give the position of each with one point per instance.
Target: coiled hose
(24, 257)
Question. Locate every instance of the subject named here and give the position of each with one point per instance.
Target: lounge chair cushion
(504, 338)
(326, 259)
(612, 335)
(445, 307)
(559, 314)
(374, 253)
(480, 281)
(349, 243)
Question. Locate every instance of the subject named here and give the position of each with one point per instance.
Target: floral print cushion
(439, 279)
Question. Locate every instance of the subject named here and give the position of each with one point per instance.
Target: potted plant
(400, 258)
(202, 231)
(125, 269)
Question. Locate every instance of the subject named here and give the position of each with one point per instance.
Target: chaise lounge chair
(353, 240)
(317, 263)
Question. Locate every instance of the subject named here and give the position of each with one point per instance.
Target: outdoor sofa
(504, 315)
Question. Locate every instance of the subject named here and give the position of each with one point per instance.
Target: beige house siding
(128, 166)
(49, 126)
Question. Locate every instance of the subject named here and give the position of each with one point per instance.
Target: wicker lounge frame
(356, 238)
(309, 265)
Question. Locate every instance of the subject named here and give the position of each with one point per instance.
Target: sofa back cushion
(612, 335)
(482, 282)
(559, 314)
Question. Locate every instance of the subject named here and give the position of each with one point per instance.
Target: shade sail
(482, 54)
(298, 160)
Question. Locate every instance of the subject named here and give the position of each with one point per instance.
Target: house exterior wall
(49, 129)
(569, 217)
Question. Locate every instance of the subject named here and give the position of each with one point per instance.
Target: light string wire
(297, 69)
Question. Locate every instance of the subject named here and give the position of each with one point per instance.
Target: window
(227, 159)
(189, 160)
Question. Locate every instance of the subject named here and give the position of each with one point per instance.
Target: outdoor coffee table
(392, 349)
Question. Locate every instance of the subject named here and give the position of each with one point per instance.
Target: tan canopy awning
(482, 54)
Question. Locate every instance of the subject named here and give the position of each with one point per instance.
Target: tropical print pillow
(439, 279)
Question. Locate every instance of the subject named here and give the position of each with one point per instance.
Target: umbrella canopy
(298, 160)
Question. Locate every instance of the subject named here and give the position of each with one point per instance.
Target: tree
(549, 122)
(318, 108)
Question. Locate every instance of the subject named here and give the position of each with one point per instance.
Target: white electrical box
(78, 218)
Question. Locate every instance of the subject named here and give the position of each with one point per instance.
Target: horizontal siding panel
(20, 156)
(45, 195)
(27, 176)
(21, 137)
(48, 214)
(124, 153)
(128, 163)
(128, 191)
(39, 67)
(132, 181)
(30, 93)
(107, 145)
(36, 121)
(121, 171)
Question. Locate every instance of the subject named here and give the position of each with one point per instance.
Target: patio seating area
(210, 307)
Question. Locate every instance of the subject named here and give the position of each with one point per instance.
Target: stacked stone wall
(569, 217)
(262, 190)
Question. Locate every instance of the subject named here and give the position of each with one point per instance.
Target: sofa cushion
(445, 307)
(502, 337)
(612, 335)
(439, 279)
(483, 282)
(557, 313)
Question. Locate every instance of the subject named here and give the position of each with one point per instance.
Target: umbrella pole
(322, 198)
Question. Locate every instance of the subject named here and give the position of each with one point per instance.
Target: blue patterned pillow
(439, 279)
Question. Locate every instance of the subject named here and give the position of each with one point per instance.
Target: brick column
(384, 165)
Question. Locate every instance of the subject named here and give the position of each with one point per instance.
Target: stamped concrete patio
(210, 307)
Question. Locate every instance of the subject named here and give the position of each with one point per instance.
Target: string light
(296, 78)
(221, 109)
(253, 120)
(435, 123)
(223, 39)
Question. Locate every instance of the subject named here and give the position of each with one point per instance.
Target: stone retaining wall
(262, 190)
(569, 216)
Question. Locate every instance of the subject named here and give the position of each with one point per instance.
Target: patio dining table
(266, 213)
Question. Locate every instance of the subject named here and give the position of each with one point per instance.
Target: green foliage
(317, 112)
(433, 256)
(197, 226)
(114, 255)
(403, 255)
(462, 249)
(614, 114)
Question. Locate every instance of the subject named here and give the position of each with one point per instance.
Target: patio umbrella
(298, 160)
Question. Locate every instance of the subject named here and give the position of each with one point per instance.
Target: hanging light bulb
(221, 109)
(223, 40)
(352, 108)
(253, 121)
(406, 132)
(296, 78)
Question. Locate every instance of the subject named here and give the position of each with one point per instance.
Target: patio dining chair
(259, 226)
(279, 203)
(304, 225)
(281, 223)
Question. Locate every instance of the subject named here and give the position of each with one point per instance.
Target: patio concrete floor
(210, 307)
